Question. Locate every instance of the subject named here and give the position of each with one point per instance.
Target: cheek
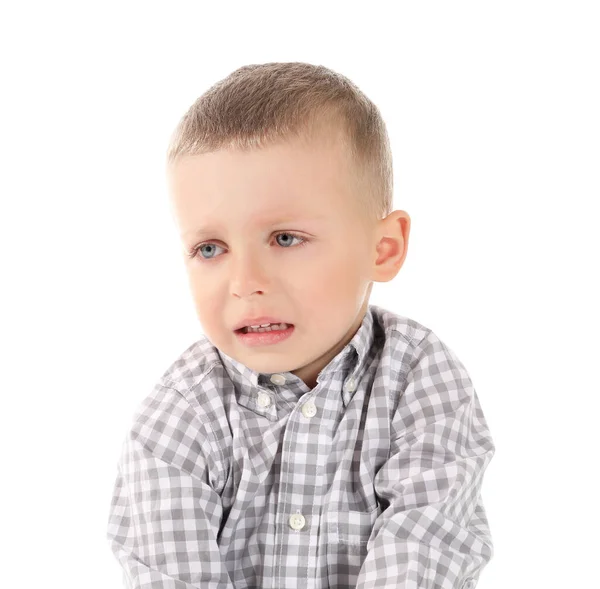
(205, 300)
(336, 274)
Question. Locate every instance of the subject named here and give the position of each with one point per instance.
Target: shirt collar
(351, 361)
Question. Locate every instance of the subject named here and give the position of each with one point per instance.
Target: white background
(493, 113)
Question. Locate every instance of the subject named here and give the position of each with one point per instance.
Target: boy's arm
(164, 515)
(434, 534)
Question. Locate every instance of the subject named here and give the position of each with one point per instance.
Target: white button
(264, 400)
(297, 521)
(278, 379)
(468, 584)
(309, 409)
(350, 385)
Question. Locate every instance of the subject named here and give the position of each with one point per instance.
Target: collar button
(350, 385)
(278, 379)
(263, 400)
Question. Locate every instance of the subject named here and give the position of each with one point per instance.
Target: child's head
(280, 178)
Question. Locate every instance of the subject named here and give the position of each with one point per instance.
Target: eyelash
(194, 252)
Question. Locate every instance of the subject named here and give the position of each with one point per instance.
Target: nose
(248, 275)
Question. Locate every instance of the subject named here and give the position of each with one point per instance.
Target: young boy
(334, 443)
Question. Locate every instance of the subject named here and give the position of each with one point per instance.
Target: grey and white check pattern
(233, 478)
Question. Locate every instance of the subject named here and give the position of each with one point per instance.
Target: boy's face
(255, 209)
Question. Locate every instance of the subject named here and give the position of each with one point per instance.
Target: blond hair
(259, 104)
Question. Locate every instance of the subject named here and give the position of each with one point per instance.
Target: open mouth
(272, 327)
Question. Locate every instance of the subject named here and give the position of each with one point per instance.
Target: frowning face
(277, 232)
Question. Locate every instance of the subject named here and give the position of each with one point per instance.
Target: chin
(269, 367)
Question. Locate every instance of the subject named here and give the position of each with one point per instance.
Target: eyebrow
(207, 230)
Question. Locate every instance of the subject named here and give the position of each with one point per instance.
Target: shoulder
(430, 388)
(179, 388)
(413, 347)
(170, 422)
(414, 334)
(396, 326)
(191, 367)
(400, 338)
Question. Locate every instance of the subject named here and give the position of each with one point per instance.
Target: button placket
(296, 521)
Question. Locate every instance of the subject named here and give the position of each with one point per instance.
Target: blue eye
(206, 245)
(291, 235)
(289, 241)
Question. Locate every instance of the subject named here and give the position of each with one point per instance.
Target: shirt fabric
(231, 478)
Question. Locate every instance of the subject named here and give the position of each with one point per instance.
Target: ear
(392, 245)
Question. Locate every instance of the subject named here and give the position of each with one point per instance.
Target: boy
(308, 439)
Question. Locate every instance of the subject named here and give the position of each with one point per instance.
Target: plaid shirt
(231, 478)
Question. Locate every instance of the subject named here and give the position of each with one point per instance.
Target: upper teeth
(265, 326)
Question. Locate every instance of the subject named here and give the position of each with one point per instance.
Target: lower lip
(266, 338)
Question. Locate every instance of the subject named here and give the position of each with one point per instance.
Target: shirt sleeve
(165, 513)
(433, 532)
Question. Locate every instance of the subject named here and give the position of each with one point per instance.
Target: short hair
(258, 104)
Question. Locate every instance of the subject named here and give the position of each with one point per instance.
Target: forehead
(285, 182)
(324, 162)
